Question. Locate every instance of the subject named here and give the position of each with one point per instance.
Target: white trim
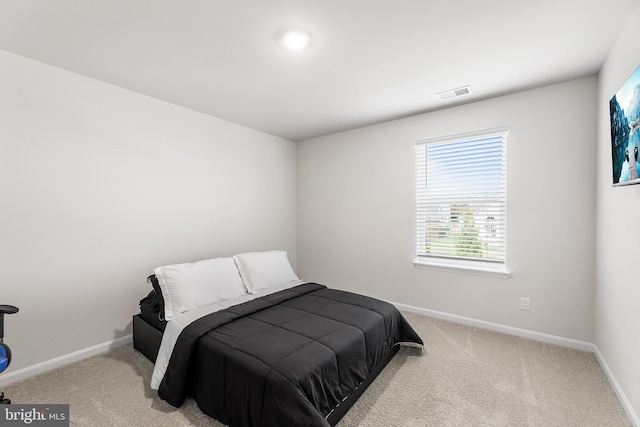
(464, 136)
(477, 269)
(58, 362)
(497, 327)
(616, 387)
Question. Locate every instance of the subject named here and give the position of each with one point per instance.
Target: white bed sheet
(178, 323)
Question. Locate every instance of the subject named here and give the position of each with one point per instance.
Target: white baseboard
(616, 387)
(509, 330)
(40, 368)
(537, 336)
(49, 365)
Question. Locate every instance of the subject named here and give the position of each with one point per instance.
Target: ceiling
(369, 60)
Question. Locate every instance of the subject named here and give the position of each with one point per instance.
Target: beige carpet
(465, 377)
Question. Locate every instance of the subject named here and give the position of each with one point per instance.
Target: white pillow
(194, 285)
(261, 270)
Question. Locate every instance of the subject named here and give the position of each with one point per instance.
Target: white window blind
(461, 195)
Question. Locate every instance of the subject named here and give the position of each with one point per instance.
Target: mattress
(289, 358)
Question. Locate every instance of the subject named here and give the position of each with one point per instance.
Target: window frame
(460, 264)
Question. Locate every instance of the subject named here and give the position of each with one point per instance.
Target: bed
(281, 353)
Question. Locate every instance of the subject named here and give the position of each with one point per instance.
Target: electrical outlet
(524, 303)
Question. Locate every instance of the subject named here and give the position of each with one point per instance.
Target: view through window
(461, 195)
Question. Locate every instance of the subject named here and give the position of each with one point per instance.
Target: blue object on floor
(5, 351)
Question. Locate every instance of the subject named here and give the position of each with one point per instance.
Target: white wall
(617, 333)
(99, 185)
(356, 211)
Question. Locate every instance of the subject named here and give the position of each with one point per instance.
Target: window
(461, 195)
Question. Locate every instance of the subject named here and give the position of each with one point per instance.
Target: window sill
(477, 269)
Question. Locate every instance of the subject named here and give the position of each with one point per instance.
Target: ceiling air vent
(454, 93)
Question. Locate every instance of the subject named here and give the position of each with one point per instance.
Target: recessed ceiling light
(293, 39)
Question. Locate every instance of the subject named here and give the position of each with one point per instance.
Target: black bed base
(147, 339)
(337, 414)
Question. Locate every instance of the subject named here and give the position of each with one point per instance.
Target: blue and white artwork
(624, 111)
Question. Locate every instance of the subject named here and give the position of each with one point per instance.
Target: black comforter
(287, 359)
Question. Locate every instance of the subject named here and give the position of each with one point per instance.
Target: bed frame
(147, 339)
